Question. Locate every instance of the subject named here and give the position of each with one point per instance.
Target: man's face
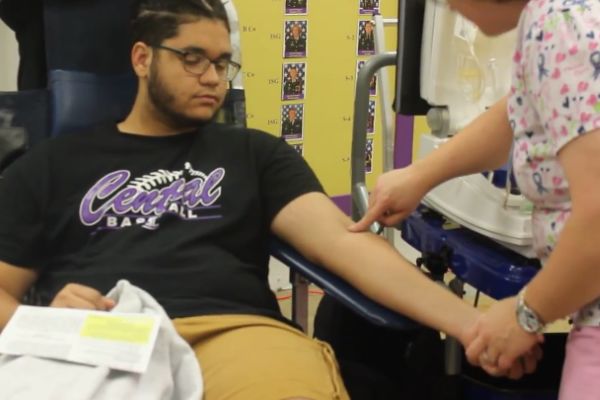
(296, 32)
(368, 28)
(184, 98)
(292, 114)
(293, 73)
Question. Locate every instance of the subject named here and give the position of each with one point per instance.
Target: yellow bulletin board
(329, 68)
(420, 128)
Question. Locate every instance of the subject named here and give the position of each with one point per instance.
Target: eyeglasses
(197, 63)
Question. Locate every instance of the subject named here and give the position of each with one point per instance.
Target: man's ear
(141, 58)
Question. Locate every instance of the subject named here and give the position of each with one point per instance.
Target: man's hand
(500, 346)
(84, 297)
(396, 195)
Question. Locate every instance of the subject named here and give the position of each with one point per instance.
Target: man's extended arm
(318, 229)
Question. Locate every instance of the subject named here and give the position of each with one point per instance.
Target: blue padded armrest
(81, 99)
(475, 259)
(339, 289)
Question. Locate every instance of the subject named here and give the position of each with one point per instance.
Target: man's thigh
(246, 357)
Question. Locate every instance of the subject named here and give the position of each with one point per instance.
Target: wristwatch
(528, 319)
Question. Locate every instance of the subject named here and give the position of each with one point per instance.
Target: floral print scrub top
(555, 97)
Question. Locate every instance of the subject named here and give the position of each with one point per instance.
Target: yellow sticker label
(134, 329)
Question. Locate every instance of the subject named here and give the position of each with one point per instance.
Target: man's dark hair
(153, 21)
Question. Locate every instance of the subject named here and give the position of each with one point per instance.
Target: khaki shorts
(246, 357)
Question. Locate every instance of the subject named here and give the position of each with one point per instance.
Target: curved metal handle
(361, 200)
(358, 189)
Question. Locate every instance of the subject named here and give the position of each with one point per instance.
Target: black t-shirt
(185, 217)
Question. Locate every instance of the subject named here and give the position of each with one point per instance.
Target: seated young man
(183, 207)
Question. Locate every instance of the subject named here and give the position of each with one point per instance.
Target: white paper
(122, 341)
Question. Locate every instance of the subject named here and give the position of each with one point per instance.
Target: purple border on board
(294, 11)
(344, 203)
(404, 140)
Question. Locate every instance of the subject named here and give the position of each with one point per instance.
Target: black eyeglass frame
(231, 69)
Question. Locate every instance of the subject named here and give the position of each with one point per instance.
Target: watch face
(528, 320)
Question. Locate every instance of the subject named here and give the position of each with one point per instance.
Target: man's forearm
(367, 262)
(482, 145)
(319, 230)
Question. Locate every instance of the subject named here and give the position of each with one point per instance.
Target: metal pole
(387, 115)
(359, 131)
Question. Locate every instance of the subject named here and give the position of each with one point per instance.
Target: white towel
(173, 372)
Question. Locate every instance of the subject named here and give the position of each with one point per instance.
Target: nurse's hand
(74, 295)
(396, 195)
(499, 343)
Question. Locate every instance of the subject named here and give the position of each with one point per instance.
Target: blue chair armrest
(475, 259)
(338, 288)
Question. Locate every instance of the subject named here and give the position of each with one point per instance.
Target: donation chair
(76, 102)
(84, 91)
(79, 90)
